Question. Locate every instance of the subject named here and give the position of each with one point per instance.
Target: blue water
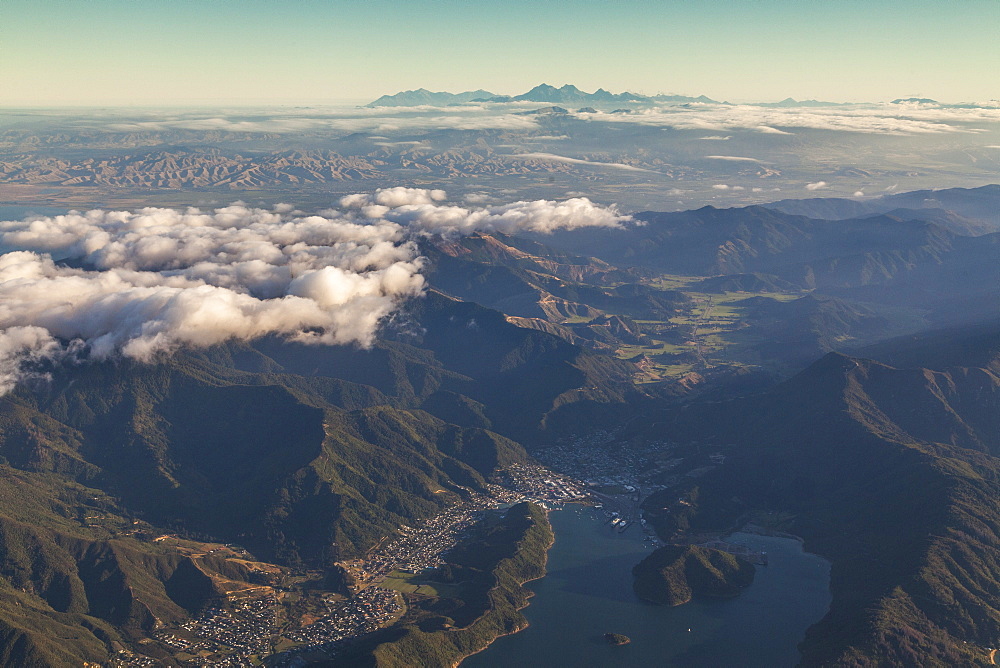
(588, 592)
(22, 211)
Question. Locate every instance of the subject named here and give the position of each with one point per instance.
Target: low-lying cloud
(713, 120)
(577, 161)
(142, 283)
(420, 212)
(325, 119)
(732, 158)
(890, 119)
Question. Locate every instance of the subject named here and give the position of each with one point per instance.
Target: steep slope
(77, 576)
(257, 465)
(799, 331)
(674, 574)
(958, 287)
(422, 96)
(803, 251)
(887, 473)
(494, 561)
(526, 279)
(441, 351)
(304, 455)
(948, 220)
(977, 204)
(971, 346)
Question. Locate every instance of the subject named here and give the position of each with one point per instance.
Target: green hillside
(493, 564)
(674, 574)
(885, 472)
(303, 455)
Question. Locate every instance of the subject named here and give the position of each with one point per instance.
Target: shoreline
(579, 535)
(758, 530)
(781, 534)
(528, 597)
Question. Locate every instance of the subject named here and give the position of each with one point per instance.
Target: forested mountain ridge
(118, 474)
(888, 472)
(303, 455)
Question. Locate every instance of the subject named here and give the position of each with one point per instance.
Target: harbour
(587, 593)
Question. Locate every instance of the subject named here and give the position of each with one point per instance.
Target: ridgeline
(493, 565)
(674, 574)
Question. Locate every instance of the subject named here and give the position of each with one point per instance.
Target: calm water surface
(588, 592)
(19, 211)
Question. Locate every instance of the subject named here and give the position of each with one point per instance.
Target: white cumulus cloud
(141, 283)
(540, 216)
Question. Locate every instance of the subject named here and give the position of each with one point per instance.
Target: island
(617, 639)
(674, 574)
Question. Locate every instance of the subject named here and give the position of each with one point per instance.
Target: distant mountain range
(792, 102)
(422, 96)
(989, 104)
(968, 203)
(568, 94)
(572, 95)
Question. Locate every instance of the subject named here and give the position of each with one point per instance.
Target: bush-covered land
(674, 574)
(617, 639)
(303, 455)
(492, 567)
(886, 472)
(308, 455)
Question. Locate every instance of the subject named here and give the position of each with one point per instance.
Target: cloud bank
(877, 118)
(889, 119)
(142, 283)
(325, 119)
(420, 213)
(731, 158)
(577, 161)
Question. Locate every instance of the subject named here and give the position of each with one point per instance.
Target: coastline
(781, 534)
(588, 585)
(758, 530)
(527, 599)
(512, 552)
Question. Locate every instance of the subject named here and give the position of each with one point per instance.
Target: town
(252, 624)
(368, 610)
(249, 625)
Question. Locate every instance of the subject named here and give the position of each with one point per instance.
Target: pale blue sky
(311, 51)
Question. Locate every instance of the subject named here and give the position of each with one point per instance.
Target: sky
(159, 52)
